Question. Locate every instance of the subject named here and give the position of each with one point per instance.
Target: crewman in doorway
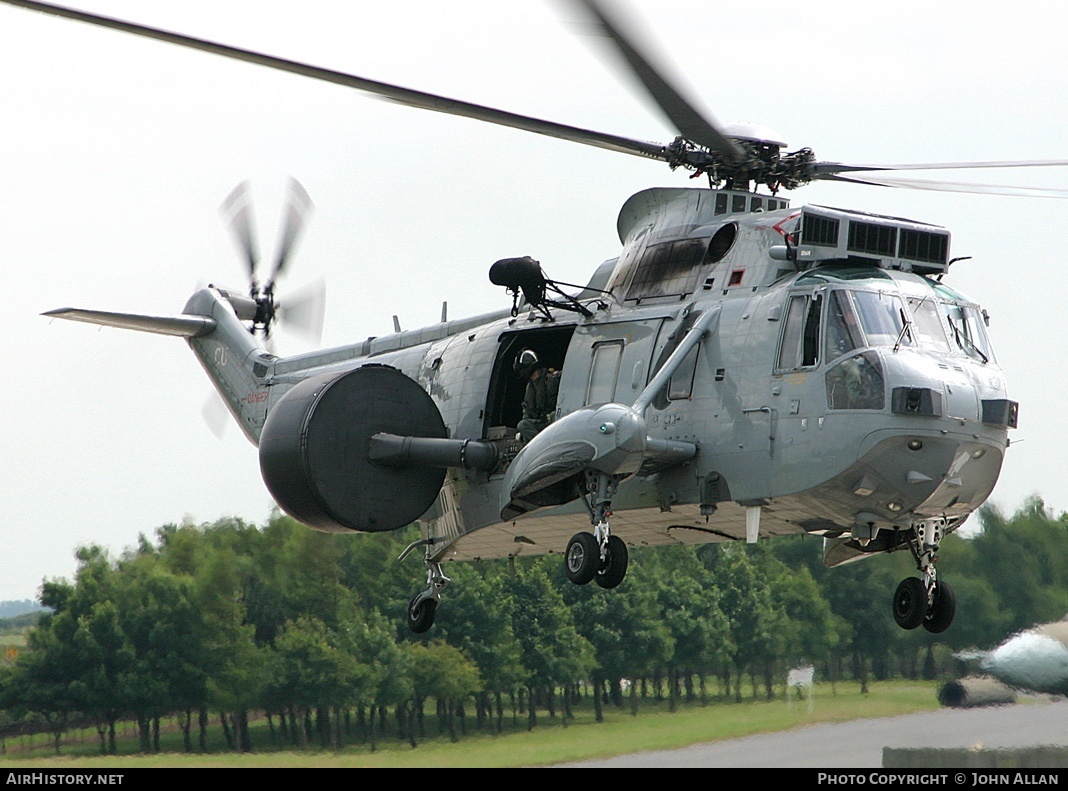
(539, 401)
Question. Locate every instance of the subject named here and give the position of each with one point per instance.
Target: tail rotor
(305, 311)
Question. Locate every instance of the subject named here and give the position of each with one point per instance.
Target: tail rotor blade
(298, 207)
(304, 312)
(237, 209)
(215, 414)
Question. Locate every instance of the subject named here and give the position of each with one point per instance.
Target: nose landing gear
(600, 555)
(925, 600)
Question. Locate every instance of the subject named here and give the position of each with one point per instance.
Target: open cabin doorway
(504, 404)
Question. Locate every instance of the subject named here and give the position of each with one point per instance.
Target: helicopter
(740, 369)
(1033, 660)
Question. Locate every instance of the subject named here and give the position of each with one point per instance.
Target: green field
(550, 742)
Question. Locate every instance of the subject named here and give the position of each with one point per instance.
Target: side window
(680, 387)
(966, 326)
(604, 372)
(843, 330)
(801, 333)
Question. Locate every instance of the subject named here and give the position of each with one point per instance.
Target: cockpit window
(801, 333)
(928, 325)
(843, 328)
(883, 319)
(856, 383)
(967, 329)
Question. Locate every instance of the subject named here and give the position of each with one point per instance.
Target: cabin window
(722, 242)
(680, 388)
(801, 333)
(604, 372)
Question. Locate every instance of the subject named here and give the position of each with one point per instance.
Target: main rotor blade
(237, 208)
(838, 167)
(405, 96)
(948, 186)
(692, 124)
(298, 206)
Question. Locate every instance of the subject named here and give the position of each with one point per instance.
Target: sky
(117, 152)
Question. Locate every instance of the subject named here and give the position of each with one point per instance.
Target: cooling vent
(923, 246)
(866, 237)
(819, 230)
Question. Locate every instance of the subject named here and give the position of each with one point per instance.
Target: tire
(582, 559)
(615, 567)
(943, 610)
(910, 603)
(421, 614)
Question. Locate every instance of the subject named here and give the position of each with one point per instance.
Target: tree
(80, 659)
(1025, 559)
(624, 625)
(688, 602)
(811, 631)
(313, 671)
(757, 621)
(553, 651)
(479, 622)
(444, 672)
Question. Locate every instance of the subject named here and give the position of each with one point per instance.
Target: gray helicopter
(741, 368)
(1033, 660)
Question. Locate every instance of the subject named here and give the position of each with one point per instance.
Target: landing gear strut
(600, 555)
(424, 606)
(925, 600)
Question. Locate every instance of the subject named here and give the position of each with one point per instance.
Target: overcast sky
(117, 153)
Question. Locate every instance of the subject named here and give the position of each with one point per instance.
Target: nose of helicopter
(959, 420)
(937, 441)
(1030, 660)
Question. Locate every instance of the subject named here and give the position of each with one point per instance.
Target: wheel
(943, 609)
(583, 558)
(615, 564)
(421, 614)
(910, 603)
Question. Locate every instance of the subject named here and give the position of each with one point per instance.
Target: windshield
(967, 328)
(883, 319)
(928, 325)
(854, 319)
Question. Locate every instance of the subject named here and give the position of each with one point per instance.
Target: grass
(550, 742)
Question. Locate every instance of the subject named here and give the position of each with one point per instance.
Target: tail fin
(234, 360)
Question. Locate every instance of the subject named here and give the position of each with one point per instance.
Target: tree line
(210, 625)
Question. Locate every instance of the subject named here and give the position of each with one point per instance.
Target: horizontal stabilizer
(182, 326)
